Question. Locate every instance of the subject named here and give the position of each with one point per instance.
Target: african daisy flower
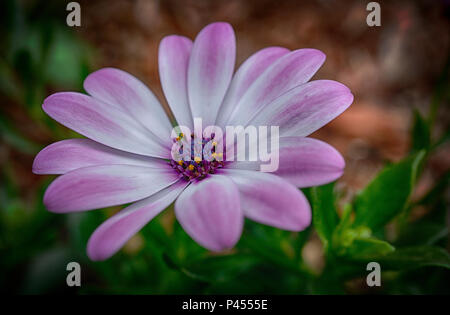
(126, 155)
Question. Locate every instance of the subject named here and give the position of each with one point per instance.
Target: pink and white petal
(209, 211)
(103, 123)
(117, 87)
(246, 75)
(210, 70)
(289, 71)
(173, 61)
(111, 235)
(306, 108)
(67, 155)
(270, 200)
(104, 186)
(304, 162)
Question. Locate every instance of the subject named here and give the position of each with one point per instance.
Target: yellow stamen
(180, 162)
(180, 136)
(197, 159)
(191, 167)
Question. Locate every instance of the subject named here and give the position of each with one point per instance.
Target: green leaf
(368, 248)
(387, 195)
(358, 243)
(414, 257)
(420, 133)
(325, 218)
(340, 237)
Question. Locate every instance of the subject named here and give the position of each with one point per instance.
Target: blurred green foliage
(39, 54)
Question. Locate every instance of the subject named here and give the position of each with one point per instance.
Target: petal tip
(303, 219)
(35, 169)
(217, 29)
(214, 223)
(47, 102)
(94, 252)
(54, 101)
(49, 200)
(312, 53)
(220, 24)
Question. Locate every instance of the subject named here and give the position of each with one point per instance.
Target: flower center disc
(202, 159)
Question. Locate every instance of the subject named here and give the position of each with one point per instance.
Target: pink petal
(210, 70)
(209, 211)
(306, 108)
(304, 162)
(246, 75)
(291, 70)
(109, 237)
(106, 185)
(173, 61)
(119, 88)
(268, 199)
(103, 123)
(67, 155)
